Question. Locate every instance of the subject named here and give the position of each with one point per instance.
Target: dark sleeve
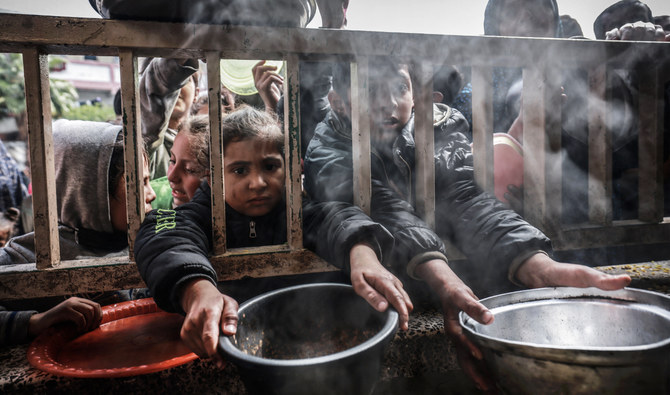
(331, 229)
(14, 326)
(329, 178)
(415, 241)
(328, 169)
(172, 247)
(160, 84)
(484, 229)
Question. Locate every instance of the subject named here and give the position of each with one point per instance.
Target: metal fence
(37, 37)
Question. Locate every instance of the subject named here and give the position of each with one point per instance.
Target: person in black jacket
(498, 241)
(172, 246)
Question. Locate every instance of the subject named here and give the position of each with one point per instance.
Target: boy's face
(184, 172)
(117, 201)
(391, 101)
(254, 176)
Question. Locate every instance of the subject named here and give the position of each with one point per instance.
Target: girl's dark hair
(117, 164)
(197, 128)
(250, 123)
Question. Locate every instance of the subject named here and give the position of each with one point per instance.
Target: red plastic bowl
(134, 338)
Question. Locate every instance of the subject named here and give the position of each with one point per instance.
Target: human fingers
(229, 316)
(258, 64)
(392, 290)
(93, 313)
(573, 275)
(368, 292)
(190, 335)
(614, 34)
(475, 369)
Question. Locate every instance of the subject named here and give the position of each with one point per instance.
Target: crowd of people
(380, 251)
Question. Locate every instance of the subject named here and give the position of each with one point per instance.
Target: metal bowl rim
(230, 350)
(539, 294)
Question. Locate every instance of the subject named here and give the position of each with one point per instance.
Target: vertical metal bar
(424, 143)
(292, 134)
(600, 150)
(360, 133)
(132, 144)
(216, 153)
(534, 146)
(650, 146)
(482, 126)
(38, 107)
(553, 156)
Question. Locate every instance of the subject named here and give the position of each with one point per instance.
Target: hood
(492, 16)
(82, 155)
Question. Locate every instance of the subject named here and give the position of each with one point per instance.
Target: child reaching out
(172, 246)
(18, 327)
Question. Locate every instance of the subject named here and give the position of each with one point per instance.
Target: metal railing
(36, 37)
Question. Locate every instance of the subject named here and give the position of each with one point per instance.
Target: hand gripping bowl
(576, 341)
(309, 339)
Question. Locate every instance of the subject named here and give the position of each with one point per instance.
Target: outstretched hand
(377, 285)
(83, 313)
(638, 31)
(541, 271)
(455, 296)
(208, 313)
(269, 85)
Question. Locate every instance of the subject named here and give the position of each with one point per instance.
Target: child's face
(184, 172)
(117, 202)
(254, 176)
(391, 102)
(187, 96)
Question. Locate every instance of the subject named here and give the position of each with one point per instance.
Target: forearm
(14, 327)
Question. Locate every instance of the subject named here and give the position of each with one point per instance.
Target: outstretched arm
(171, 252)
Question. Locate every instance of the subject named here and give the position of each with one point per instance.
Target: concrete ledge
(419, 361)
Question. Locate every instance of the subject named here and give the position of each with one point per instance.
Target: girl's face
(117, 201)
(184, 172)
(254, 176)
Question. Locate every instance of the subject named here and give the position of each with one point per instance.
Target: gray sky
(418, 16)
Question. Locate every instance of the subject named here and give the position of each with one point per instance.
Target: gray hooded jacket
(82, 153)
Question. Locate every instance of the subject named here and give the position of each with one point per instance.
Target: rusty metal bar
(255, 42)
(216, 176)
(600, 150)
(650, 146)
(360, 133)
(38, 107)
(132, 144)
(292, 133)
(534, 146)
(482, 126)
(553, 159)
(424, 143)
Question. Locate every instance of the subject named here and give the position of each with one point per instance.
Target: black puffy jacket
(172, 246)
(491, 235)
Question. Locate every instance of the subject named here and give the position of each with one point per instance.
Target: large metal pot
(576, 341)
(309, 339)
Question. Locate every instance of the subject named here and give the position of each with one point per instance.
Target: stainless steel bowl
(309, 339)
(576, 341)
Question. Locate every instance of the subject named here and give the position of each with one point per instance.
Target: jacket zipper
(252, 229)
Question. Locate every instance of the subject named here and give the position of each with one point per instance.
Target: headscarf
(82, 156)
